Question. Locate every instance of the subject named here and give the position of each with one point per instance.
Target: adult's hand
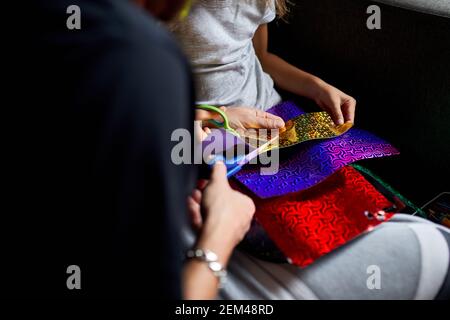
(227, 217)
(227, 213)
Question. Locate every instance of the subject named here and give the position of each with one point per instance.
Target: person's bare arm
(340, 105)
(227, 217)
(199, 281)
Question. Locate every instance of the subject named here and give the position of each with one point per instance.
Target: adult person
(100, 205)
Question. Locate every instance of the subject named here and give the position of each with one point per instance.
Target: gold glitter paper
(309, 126)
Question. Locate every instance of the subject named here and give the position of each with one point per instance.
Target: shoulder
(119, 51)
(129, 27)
(106, 25)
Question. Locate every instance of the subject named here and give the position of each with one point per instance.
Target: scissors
(225, 124)
(235, 164)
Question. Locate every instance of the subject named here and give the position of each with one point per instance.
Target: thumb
(336, 112)
(219, 172)
(274, 123)
(268, 120)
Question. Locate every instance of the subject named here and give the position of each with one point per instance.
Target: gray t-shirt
(217, 37)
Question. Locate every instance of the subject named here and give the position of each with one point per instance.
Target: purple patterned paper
(313, 161)
(286, 110)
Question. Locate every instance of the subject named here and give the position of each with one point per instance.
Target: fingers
(197, 196)
(241, 131)
(200, 133)
(267, 120)
(348, 109)
(274, 122)
(194, 210)
(201, 184)
(201, 115)
(219, 173)
(336, 112)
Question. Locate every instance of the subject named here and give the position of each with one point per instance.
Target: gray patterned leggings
(412, 255)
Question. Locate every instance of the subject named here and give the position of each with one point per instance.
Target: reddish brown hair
(162, 9)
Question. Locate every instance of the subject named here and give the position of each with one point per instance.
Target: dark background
(400, 76)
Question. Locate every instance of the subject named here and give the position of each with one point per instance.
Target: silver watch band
(211, 259)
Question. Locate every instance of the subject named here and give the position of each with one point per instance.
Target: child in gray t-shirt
(226, 41)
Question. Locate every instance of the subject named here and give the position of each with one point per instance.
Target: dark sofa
(400, 76)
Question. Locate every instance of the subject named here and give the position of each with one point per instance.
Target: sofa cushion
(437, 7)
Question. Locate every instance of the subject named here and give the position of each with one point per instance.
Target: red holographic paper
(309, 224)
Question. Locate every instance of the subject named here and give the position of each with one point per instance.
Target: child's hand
(243, 118)
(339, 105)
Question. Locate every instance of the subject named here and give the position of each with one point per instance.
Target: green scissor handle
(225, 124)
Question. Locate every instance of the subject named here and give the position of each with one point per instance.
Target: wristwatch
(211, 259)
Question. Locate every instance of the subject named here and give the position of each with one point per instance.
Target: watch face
(215, 266)
(210, 256)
